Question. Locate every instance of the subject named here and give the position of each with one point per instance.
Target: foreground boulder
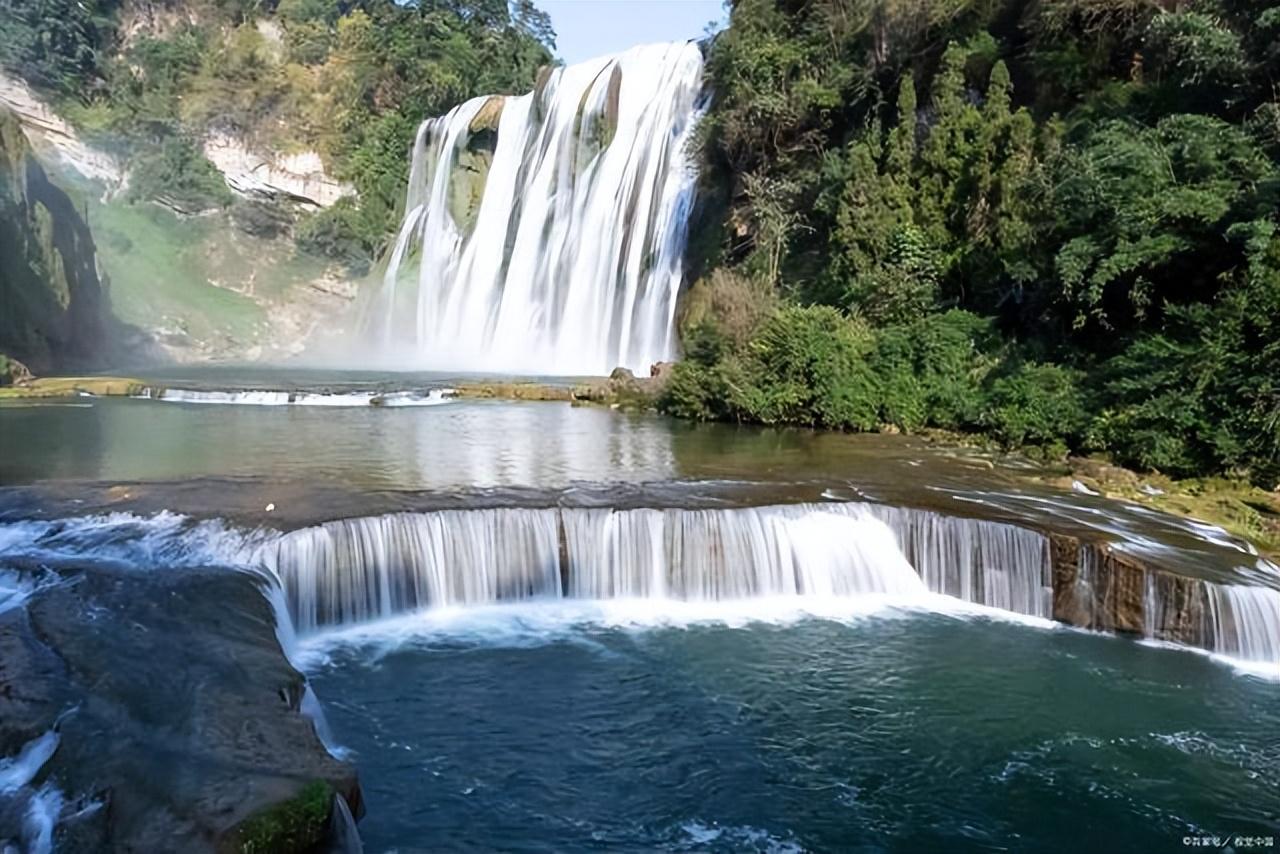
(176, 718)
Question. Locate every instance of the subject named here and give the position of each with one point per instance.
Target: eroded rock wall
(52, 301)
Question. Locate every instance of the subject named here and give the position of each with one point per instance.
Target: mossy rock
(13, 372)
(74, 387)
(513, 391)
(466, 186)
(298, 825)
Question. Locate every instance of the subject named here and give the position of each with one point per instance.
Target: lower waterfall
(362, 569)
(1244, 622)
(353, 570)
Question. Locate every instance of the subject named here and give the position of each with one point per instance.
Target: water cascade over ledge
(354, 570)
(544, 233)
(351, 571)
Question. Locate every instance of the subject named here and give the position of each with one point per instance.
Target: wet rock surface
(176, 712)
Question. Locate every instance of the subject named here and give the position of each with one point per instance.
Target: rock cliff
(52, 300)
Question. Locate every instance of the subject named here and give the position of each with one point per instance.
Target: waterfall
(262, 397)
(360, 569)
(1001, 566)
(1244, 621)
(353, 570)
(544, 233)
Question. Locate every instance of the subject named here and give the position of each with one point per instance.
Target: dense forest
(349, 79)
(1051, 222)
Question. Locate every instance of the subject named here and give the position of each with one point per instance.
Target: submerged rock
(178, 716)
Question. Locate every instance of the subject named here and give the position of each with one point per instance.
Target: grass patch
(296, 825)
(197, 276)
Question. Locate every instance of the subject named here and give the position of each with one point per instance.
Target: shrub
(931, 370)
(725, 307)
(177, 174)
(1035, 404)
(807, 365)
(342, 232)
(694, 391)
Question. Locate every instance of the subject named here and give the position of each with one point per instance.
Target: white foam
(20, 770)
(254, 397)
(739, 837)
(1268, 670)
(543, 622)
(41, 818)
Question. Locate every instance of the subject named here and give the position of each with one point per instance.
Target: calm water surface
(319, 462)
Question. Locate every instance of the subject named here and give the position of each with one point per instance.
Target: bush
(694, 391)
(807, 365)
(1036, 404)
(725, 308)
(931, 370)
(177, 174)
(343, 233)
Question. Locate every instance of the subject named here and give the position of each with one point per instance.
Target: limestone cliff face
(298, 178)
(52, 302)
(54, 139)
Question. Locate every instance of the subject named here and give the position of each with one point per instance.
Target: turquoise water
(623, 726)
(524, 730)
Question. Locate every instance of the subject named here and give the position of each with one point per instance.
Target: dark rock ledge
(177, 713)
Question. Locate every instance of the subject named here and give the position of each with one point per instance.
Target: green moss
(513, 391)
(298, 824)
(199, 274)
(1233, 504)
(73, 386)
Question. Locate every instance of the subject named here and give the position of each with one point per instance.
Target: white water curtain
(573, 263)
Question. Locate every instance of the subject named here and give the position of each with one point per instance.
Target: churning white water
(263, 397)
(555, 245)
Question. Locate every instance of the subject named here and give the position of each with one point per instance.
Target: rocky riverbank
(154, 710)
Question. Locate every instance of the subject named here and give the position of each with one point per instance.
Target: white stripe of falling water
(1245, 621)
(575, 296)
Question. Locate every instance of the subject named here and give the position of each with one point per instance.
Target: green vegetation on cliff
(349, 80)
(1050, 222)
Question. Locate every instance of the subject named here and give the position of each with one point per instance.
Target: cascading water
(544, 233)
(354, 570)
(1245, 621)
(1001, 566)
(357, 569)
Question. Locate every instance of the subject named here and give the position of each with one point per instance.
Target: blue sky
(588, 28)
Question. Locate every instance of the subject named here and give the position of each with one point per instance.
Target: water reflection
(462, 445)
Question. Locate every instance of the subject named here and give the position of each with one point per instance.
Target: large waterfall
(544, 233)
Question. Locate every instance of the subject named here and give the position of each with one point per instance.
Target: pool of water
(315, 462)
(550, 729)
(846, 724)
